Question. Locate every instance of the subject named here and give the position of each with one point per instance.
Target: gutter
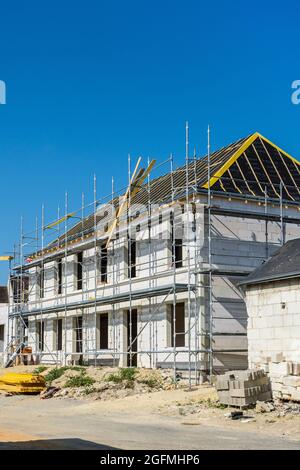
(263, 280)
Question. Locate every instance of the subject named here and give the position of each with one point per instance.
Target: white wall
(273, 322)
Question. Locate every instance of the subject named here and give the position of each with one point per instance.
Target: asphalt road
(61, 424)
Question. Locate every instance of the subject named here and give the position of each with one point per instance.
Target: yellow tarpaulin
(22, 383)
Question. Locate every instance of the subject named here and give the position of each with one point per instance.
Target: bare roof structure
(251, 166)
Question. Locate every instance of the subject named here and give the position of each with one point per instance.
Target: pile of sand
(108, 382)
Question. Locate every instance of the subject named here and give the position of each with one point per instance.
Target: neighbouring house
(272, 293)
(152, 296)
(3, 321)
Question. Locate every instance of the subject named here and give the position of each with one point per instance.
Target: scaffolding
(102, 246)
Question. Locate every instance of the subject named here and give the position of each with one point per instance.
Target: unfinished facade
(149, 276)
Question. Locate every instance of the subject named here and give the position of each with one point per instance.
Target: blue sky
(89, 82)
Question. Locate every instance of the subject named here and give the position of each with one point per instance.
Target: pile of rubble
(286, 409)
(211, 407)
(243, 387)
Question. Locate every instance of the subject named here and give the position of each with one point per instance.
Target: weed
(81, 380)
(126, 374)
(38, 370)
(56, 373)
(150, 381)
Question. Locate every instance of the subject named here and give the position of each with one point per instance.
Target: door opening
(132, 335)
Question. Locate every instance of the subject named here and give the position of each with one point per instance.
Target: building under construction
(148, 276)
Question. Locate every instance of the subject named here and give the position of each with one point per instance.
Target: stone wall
(274, 334)
(273, 322)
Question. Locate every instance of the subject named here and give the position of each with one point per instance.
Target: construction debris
(48, 393)
(22, 383)
(286, 409)
(243, 388)
(285, 380)
(234, 415)
(264, 407)
(5, 394)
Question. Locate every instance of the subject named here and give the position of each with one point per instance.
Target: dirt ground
(163, 419)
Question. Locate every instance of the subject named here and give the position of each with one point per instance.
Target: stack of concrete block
(243, 387)
(285, 380)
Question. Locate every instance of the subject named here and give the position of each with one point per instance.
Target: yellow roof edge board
(59, 221)
(6, 258)
(231, 160)
(239, 152)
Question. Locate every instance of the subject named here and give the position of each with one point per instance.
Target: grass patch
(126, 374)
(81, 380)
(150, 381)
(56, 373)
(78, 368)
(38, 370)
